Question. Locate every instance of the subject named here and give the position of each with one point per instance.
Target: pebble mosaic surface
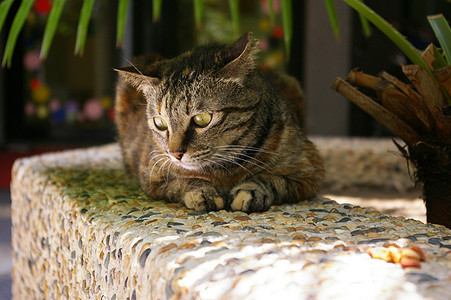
(83, 230)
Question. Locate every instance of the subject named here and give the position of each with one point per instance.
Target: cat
(211, 130)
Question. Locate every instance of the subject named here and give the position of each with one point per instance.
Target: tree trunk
(433, 171)
(420, 115)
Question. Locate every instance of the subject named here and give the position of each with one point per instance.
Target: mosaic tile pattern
(83, 230)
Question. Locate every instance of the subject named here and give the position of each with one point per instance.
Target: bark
(433, 171)
(420, 114)
(381, 114)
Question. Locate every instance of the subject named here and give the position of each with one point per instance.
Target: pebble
(94, 234)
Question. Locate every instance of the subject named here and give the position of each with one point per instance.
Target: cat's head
(201, 102)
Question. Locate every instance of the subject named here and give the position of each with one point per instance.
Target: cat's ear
(239, 58)
(139, 79)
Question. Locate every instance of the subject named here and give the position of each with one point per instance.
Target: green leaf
(397, 38)
(287, 23)
(83, 23)
(16, 27)
(235, 12)
(366, 28)
(121, 21)
(272, 16)
(156, 10)
(4, 8)
(440, 61)
(50, 27)
(330, 7)
(443, 33)
(198, 12)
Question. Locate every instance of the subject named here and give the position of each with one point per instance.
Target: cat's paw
(203, 199)
(250, 197)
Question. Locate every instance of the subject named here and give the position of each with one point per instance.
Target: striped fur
(251, 155)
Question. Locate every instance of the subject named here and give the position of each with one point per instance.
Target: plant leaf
(443, 33)
(440, 61)
(287, 23)
(366, 28)
(83, 23)
(330, 7)
(121, 20)
(272, 16)
(16, 27)
(235, 12)
(397, 38)
(50, 27)
(198, 12)
(156, 10)
(4, 8)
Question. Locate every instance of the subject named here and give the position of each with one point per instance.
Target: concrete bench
(82, 229)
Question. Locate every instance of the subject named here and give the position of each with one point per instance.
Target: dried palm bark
(419, 114)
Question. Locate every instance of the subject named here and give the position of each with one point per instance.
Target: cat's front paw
(251, 197)
(203, 199)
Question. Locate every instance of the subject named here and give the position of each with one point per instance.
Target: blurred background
(67, 100)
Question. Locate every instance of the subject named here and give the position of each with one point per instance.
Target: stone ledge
(83, 229)
(363, 162)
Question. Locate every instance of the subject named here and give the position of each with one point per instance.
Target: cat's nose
(177, 154)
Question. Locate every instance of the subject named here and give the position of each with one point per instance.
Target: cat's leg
(259, 193)
(251, 196)
(199, 195)
(204, 198)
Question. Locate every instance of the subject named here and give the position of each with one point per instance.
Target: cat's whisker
(134, 67)
(162, 166)
(217, 164)
(154, 165)
(244, 148)
(159, 158)
(169, 169)
(233, 161)
(151, 152)
(252, 160)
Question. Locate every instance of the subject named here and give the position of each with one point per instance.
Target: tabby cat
(209, 129)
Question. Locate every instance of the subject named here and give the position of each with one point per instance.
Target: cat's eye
(202, 120)
(160, 123)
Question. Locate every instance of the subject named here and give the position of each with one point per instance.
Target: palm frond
(83, 23)
(235, 12)
(50, 28)
(287, 23)
(4, 9)
(272, 15)
(121, 20)
(442, 31)
(156, 10)
(198, 12)
(16, 27)
(330, 7)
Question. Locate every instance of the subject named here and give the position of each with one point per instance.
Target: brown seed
(419, 251)
(409, 262)
(395, 254)
(407, 252)
(380, 253)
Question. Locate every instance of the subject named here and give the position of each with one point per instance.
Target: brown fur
(252, 153)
